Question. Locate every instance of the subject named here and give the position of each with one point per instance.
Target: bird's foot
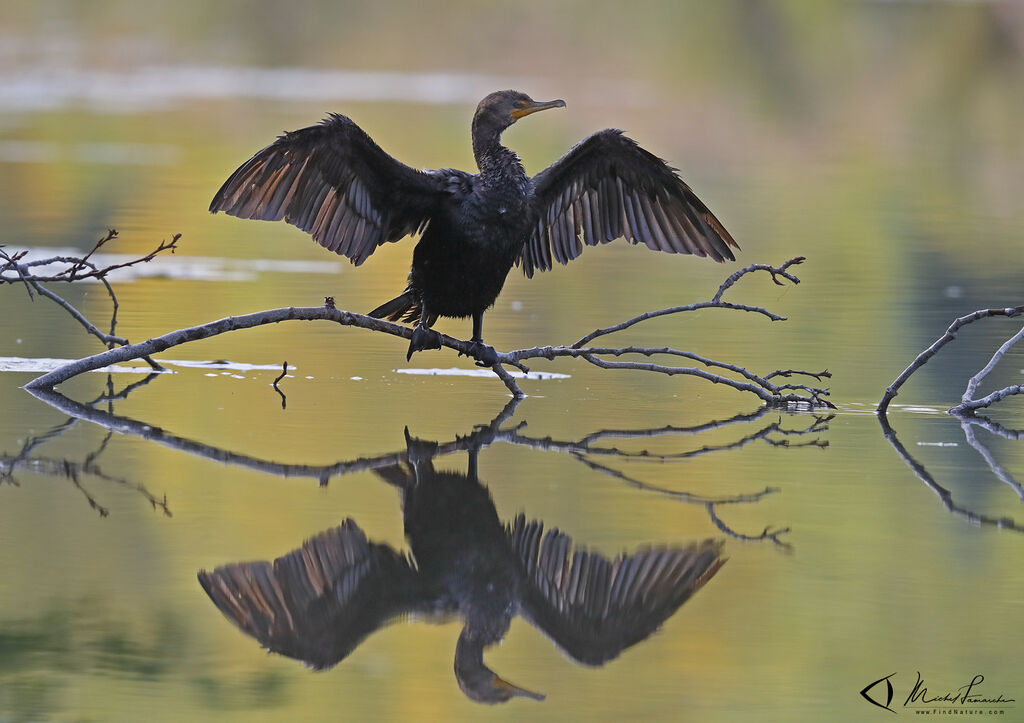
(419, 450)
(485, 355)
(423, 338)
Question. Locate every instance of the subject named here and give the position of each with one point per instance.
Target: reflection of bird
(332, 181)
(319, 602)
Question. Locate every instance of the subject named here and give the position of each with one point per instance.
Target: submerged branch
(966, 405)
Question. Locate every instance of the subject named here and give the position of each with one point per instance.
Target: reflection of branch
(766, 534)
(966, 423)
(993, 427)
(772, 394)
(124, 425)
(482, 436)
(587, 445)
(893, 389)
(944, 494)
(73, 471)
(674, 494)
(579, 450)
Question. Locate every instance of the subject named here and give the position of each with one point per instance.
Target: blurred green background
(881, 140)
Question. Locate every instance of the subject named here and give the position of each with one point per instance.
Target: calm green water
(879, 140)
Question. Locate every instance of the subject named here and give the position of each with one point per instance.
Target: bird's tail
(401, 308)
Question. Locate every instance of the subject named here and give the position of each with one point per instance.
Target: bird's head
(501, 109)
(477, 681)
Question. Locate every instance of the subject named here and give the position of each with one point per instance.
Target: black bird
(332, 181)
(319, 602)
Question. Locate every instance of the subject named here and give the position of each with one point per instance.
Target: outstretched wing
(607, 186)
(593, 608)
(317, 603)
(332, 181)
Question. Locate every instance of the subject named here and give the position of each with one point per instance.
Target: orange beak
(536, 106)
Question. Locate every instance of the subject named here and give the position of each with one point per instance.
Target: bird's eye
(520, 104)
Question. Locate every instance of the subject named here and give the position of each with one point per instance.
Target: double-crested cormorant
(332, 181)
(319, 602)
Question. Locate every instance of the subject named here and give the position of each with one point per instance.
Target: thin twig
(20, 269)
(767, 534)
(111, 234)
(77, 315)
(70, 273)
(715, 303)
(284, 372)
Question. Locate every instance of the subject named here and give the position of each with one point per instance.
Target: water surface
(876, 139)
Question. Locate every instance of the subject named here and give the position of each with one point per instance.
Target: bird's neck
(491, 156)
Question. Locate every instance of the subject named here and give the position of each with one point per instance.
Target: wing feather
(607, 187)
(332, 181)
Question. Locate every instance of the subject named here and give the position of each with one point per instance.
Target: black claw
(423, 338)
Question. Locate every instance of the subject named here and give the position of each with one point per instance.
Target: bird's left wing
(594, 608)
(317, 603)
(332, 181)
(607, 186)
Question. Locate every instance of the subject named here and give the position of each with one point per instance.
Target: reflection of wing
(594, 608)
(318, 602)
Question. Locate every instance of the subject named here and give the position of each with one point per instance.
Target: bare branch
(71, 273)
(11, 262)
(776, 272)
(77, 315)
(715, 303)
(111, 234)
(509, 380)
(771, 394)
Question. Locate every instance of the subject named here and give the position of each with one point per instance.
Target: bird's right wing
(594, 608)
(332, 181)
(317, 603)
